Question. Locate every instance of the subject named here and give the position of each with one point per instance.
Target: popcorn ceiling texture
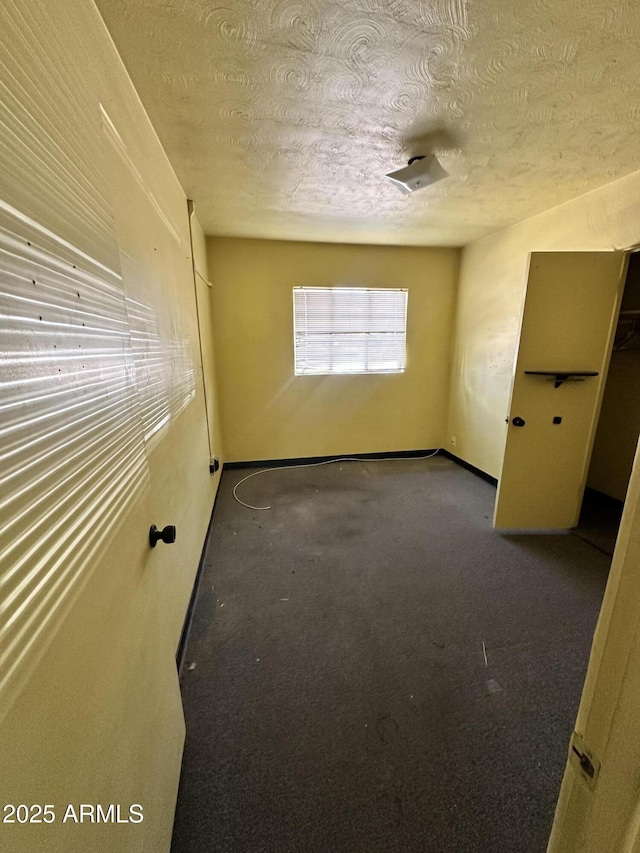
(281, 118)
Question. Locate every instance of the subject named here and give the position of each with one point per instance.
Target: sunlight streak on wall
(72, 458)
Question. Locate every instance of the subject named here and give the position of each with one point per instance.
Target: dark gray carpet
(340, 699)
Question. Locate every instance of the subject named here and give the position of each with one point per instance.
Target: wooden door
(571, 305)
(102, 433)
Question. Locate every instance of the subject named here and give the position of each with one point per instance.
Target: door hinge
(585, 759)
(585, 762)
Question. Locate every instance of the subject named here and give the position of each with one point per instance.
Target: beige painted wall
(492, 279)
(267, 412)
(103, 433)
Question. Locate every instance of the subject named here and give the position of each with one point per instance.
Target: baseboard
(310, 460)
(477, 471)
(188, 619)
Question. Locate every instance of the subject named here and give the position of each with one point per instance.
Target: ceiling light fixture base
(421, 171)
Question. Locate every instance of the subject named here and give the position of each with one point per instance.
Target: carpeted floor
(341, 700)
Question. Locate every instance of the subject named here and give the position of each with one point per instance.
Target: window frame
(301, 365)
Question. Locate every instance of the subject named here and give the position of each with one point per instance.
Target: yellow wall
(104, 432)
(267, 412)
(492, 279)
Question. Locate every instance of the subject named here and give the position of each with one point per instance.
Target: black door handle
(518, 422)
(167, 535)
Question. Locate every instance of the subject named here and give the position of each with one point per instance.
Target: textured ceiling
(281, 116)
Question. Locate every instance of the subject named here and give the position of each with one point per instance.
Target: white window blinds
(349, 330)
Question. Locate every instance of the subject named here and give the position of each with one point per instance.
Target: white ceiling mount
(421, 172)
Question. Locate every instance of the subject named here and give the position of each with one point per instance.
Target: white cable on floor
(314, 465)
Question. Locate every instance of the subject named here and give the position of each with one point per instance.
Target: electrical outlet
(453, 440)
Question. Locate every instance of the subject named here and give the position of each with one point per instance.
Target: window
(349, 330)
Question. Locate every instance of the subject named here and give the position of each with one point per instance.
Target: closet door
(567, 325)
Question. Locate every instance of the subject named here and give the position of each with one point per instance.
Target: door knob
(518, 422)
(167, 535)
